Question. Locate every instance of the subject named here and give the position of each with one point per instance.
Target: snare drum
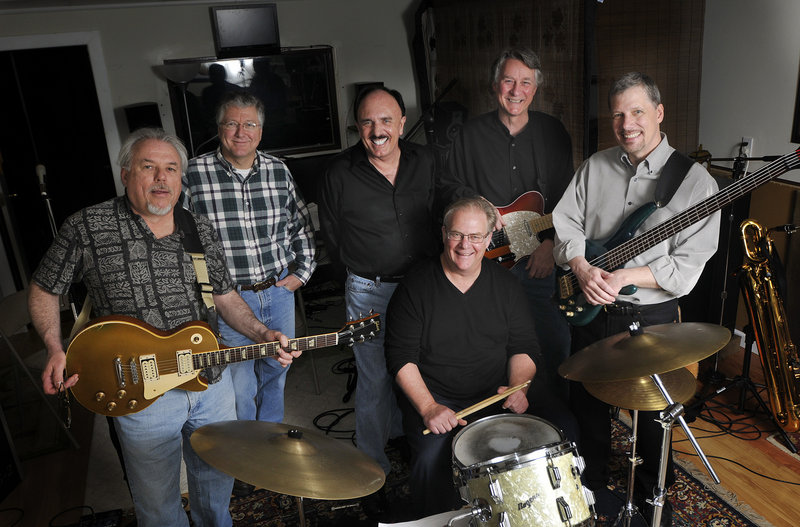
(518, 470)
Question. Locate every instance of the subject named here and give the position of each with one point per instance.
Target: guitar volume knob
(132, 404)
(99, 396)
(121, 394)
(110, 406)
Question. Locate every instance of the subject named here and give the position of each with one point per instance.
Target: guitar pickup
(149, 368)
(184, 361)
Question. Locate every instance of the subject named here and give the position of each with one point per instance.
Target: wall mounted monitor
(297, 88)
(245, 30)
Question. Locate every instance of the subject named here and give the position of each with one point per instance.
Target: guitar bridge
(134, 372)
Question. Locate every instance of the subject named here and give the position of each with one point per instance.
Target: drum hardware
(486, 402)
(289, 460)
(641, 352)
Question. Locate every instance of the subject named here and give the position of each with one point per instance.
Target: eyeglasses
(64, 405)
(248, 126)
(473, 238)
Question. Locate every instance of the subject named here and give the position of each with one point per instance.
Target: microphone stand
(41, 172)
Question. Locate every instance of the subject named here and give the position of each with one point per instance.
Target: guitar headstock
(360, 330)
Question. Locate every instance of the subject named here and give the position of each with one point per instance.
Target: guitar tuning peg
(371, 311)
(361, 338)
(360, 314)
(371, 334)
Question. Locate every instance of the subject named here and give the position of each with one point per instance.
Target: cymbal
(288, 459)
(642, 393)
(657, 349)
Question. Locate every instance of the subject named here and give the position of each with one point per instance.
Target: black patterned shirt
(126, 270)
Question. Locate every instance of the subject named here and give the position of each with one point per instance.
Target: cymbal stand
(301, 511)
(628, 510)
(673, 412)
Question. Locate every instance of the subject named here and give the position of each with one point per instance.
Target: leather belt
(388, 278)
(259, 286)
(266, 284)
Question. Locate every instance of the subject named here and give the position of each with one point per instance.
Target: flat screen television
(296, 86)
(245, 30)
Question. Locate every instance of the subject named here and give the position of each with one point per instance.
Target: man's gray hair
(632, 79)
(478, 204)
(240, 99)
(525, 55)
(143, 134)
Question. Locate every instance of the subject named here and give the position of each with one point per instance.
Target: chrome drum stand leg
(667, 418)
(629, 510)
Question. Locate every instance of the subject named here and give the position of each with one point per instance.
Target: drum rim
(514, 456)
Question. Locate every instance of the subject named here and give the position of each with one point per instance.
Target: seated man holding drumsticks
(459, 330)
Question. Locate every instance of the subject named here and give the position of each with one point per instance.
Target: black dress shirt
(372, 227)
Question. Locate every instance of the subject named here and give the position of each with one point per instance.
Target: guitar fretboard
(258, 351)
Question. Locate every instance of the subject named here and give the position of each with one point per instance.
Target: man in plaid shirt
(267, 235)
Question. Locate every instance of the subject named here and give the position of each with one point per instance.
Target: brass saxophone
(768, 320)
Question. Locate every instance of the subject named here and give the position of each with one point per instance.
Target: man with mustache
(266, 231)
(376, 211)
(509, 151)
(129, 253)
(608, 187)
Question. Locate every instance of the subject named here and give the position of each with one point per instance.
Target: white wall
(370, 39)
(751, 57)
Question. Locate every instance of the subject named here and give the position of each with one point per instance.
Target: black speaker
(141, 115)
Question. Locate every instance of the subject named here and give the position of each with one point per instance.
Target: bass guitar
(125, 364)
(623, 246)
(519, 238)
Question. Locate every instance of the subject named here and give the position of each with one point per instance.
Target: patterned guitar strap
(193, 247)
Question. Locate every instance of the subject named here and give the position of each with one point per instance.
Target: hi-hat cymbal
(642, 393)
(288, 459)
(657, 349)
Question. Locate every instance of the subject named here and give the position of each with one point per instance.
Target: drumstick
(486, 402)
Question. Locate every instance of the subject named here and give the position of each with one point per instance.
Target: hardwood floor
(55, 482)
(774, 496)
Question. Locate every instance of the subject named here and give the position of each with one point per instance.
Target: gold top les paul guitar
(124, 364)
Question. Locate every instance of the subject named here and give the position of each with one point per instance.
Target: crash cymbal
(642, 393)
(288, 459)
(657, 349)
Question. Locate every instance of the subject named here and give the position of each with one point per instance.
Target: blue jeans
(151, 444)
(377, 415)
(259, 384)
(551, 327)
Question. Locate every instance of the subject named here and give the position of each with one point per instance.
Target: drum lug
(555, 476)
(563, 509)
(495, 490)
(590, 501)
(580, 464)
(481, 510)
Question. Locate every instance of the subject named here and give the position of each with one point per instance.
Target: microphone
(41, 172)
(788, 229)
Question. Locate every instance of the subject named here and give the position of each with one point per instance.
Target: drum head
(499, 436)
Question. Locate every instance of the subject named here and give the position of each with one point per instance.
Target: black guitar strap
(673, 174)
(194, 248)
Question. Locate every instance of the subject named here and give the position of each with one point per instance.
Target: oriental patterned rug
(696, 501)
